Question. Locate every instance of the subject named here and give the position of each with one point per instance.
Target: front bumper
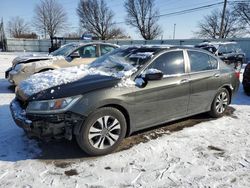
(46, 126)
(7, 72)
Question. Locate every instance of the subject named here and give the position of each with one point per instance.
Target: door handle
(216, 75)
(184, 81)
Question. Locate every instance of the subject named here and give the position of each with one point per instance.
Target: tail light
(237, 74)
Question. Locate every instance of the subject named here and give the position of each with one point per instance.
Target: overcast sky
(186, 24)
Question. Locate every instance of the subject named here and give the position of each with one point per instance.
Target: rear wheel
(220, 103)
(102, 131)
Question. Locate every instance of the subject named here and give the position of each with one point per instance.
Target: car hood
(30, 58)
(79, 87)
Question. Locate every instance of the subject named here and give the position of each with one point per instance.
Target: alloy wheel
(221, 102)
(104, 132)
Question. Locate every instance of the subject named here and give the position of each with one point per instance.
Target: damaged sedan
(69, 55)
(129, 89)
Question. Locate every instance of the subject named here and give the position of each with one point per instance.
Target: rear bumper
(46, 126)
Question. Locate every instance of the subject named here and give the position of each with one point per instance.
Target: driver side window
(169, 63)
(87, 51)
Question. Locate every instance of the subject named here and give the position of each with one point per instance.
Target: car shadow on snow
(6, 87)
(168, 128)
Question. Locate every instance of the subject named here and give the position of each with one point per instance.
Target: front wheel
(102, 131)
(220, 103)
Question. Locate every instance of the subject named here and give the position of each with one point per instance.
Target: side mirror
(74, 55)
(220, 54)
(153, 74)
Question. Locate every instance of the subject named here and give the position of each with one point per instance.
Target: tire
(102, 131)
(220, 103)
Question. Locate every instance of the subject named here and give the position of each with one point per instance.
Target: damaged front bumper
(7, 72)
(46, 126)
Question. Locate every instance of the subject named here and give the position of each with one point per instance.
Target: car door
(82, 55)
(165, 99)
(204, 80)
(105, 48)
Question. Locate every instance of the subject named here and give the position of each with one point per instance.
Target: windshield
(64, 50)
(123, 60)
(229, 48)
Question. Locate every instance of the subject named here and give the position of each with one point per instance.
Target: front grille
(47, 118)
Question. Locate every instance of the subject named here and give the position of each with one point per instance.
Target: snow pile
(126, 82)
(142, 55)
(152, 71)
(45, 80)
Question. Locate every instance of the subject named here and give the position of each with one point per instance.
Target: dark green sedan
(129, 89)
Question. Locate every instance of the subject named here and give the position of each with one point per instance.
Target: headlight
(23, 67)
(50, 106)
(19, 67)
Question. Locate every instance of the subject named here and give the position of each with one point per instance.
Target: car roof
(215, 43)
(80, 44)
(92, 43)
(159, 47)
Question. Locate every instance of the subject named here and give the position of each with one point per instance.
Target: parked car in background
(129, 89)
(229, 52)
(246, 79)
(69, 55)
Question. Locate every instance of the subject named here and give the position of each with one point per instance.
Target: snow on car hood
(45, 80)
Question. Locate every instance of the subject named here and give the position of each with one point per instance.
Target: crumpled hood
(30, 58)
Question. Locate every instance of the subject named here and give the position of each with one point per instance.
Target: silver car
(73, 54)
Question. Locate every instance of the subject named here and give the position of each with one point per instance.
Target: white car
(69, 55)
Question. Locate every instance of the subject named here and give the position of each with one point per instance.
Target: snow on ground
(215, 153)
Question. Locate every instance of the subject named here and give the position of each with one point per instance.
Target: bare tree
(242, 10)
(16, 27)
(142, 15)
(97, 18)
(3, 41)
(209, 27)
(50, 18)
